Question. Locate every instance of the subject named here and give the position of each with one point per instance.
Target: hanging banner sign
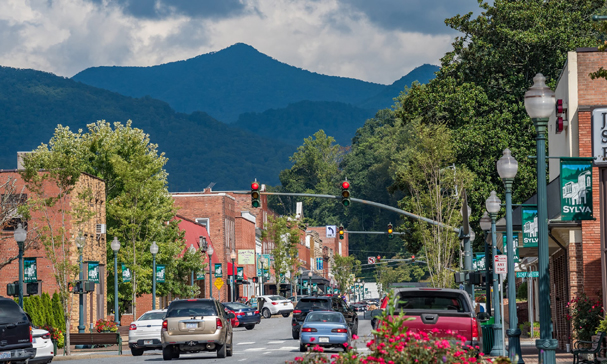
(478, 263)
(576, 190)
(126, 273)
(318, 263)
(160, 273)
(515, 243)
(530, 227)
(239, 273)
(599, 136)
(200, 276)
(30, 270)
(218, 270)
(93, 272)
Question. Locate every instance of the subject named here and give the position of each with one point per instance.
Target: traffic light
(390, 231)
(342, 232)
(345, 193)
(378, 259)
(255, 201)
(413, 259)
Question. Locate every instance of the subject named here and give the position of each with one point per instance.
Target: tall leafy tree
(345, 269)
(285, 233)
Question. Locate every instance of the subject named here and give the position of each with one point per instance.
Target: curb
(84, 356)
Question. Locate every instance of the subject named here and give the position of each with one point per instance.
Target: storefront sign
(599, 136)
(218, 270)
(94, 272)
(239, 273)
(30, 270)
(246, 256)
(576, 189)
(515, 241)
(126, 273)
(160, 273)
(530, 227)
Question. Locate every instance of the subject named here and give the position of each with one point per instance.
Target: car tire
(295, 334)
(250, 327)
(285, 314)
(221, 351)
(355, 328)
(167, 353)
(229, 350)
(266, 313)
(302, 348)
(136, 352)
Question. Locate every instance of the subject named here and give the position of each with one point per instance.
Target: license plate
(323, 339)
(249, 313)
(5, 354)
(285, 303)
(191, 326)
(148, 342)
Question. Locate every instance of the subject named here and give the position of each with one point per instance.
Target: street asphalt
(270, 342)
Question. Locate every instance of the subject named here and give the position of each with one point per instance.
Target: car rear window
(191, 309)
(308, 303)
(235, 306)
(10, 312)
(277, 298)
(429, 300)
(152, 316)
(325, 317)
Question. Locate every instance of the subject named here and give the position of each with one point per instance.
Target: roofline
(43, 170)
(200, 194)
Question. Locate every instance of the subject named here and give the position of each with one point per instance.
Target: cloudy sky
(372, 40)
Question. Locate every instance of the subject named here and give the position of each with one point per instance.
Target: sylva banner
(239, 273)
(200, 276)
(160, 273)
(126, 273)
(30, 270)
(576, 190)
(218, 270)
(515, 241)
(94, 272)
(530, 227)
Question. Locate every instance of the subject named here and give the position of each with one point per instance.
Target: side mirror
(231, 316)
(483, 316)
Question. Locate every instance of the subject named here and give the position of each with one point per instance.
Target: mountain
(227, 83)
(384, 99)
(200, 149)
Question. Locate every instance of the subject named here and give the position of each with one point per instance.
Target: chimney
(20, 156)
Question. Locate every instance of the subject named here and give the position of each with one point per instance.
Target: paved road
(270, 342)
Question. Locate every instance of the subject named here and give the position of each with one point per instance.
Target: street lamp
(485, 224)
(192, 251)
(467, 250)
(80, 241)
(154, 251)
(539, 103)
(202, 243)
(507, 167)
(233, 258)
(115, 244)
(20, 237)
(210, 252)
(493, 205)
(310, 274)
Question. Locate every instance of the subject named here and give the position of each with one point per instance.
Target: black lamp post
(493, 205)
(80, 241)
(20, 236)
(115, 244)
(485, 224)
(154, 251)
(210, 251)
(233, 258)
(202, 243)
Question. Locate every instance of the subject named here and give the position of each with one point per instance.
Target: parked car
(274, 305)
(144, 333)
(247, 316)
(15, 333)
(195, 325)
(359, 307)
(41, 341)
(326, 329)
(448, 310)
(309, 304)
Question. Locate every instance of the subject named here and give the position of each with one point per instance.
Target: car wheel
(167, 353)
(295, 334)
(221, 351)
(231, 347)
(266, 313)
(285, 314)
(373, 323)
(302, 347)
(136, 352)
(355, 328)
(250, 327)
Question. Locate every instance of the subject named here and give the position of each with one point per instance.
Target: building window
(204, 221)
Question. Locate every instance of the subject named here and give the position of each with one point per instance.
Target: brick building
(94, 251)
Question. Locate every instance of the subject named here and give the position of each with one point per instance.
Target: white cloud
(67, 36)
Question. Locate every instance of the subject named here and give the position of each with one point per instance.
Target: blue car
(246, 315)
(326, 329)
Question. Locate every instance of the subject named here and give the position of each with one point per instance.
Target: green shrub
(58, 313)
(521, 292)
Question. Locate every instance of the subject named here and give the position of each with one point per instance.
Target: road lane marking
(243, 359)
(276, 342)
(255, 349)
(247, 343)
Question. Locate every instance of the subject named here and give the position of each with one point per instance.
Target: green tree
(402, 272)
(285, 233)
(345, 269)
(58, 312)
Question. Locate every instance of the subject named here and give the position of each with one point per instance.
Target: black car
(322, 303)
(15, 333)
(246, 315)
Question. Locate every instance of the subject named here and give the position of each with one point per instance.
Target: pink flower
(354, 336)
(334, 356)
(312, 339)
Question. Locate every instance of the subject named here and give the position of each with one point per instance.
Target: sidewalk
(531, 354)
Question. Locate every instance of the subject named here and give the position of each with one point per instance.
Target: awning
(236, 270)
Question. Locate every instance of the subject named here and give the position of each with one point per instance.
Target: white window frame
(204, 221)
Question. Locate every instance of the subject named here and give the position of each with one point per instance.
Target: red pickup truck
(445, 312)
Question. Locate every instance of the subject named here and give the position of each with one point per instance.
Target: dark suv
(322, 303)
(15, 333)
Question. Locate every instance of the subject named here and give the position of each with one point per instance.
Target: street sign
(371, 260)
(501, 264)
(331, 231)
(527, 274)
(219, 283)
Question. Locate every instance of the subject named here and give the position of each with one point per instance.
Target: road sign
(331, 231)
(219, 283)
(501, 264)
(527, 274)
(371, 260)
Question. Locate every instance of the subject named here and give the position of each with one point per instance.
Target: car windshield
(325, 317)
(10, 312)
(310, 303)
(152, 316)
(191, 309)
(235, 306)
(277, 298)
(429, 300)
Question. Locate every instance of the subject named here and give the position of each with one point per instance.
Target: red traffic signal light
(378, 258)
(413, 258)
(345, 185)
(255, 201)
(254, 186)
(345, 193)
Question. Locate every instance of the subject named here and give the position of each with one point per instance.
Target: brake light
(133, 327)
(296, 311)
(274, 303)
(340, 330)
(257, 312)
(474, 329)
(308, 329)
(46, 336)
(165, 325)
(240, 314)
(31, 337)
(218, 323)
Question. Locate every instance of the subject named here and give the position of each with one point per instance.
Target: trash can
(487, 331)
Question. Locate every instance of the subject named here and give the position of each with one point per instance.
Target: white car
(144, 334)
(41, 340)
(274, 305)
